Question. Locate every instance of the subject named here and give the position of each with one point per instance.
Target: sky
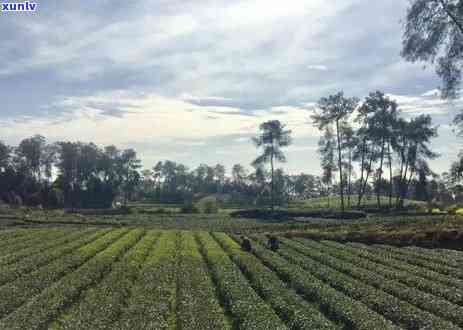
(191, 80)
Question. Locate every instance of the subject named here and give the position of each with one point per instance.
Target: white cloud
(317, 67)
(209, 69)
(146, 117)
(427, 103)
(432, 93)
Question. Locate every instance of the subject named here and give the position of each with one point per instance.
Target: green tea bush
(339, 250)
(43, 246)
(291, 307)
(39, 238)
(373, 290)
(405, 297)
(101, 305)
(440, 265)
(249, 310)
(152, 301)
(208, 205)
(341, 307)
(189, 207)
(19, 291)
(37, 312)
(10, 272)
(197, 304)
(386, 258)
(454, 209)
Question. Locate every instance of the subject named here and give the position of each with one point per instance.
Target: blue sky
(190, 80)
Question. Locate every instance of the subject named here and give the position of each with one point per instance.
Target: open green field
(139, 278)
(335, 202)
(427, 230)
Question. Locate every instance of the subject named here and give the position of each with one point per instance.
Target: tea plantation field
(134, 278)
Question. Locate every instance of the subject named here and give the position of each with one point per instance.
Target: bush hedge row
(366, 287)
(297, 312)
(248, 309)
(38, 312)
(354, 314)
(198, 305)
(19, 291)
(99, 307)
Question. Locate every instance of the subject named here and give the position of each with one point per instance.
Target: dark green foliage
(434, 33)
(189, 207)
(250, 311)
(272, 137)
(298, 313)
(208, 205)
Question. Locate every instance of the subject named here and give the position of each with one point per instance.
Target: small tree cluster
(379, 139)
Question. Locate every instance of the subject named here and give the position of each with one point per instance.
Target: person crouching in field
(273, 243)
(245, 244)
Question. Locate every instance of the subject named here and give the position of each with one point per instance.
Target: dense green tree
(157, 172)
(305, 186)
(379, 114)
(5, 156)
(68, 168)
(272, 138)
(349, 143)
(326, 149)
(334, 112)
(365, 154)
(30, 153)
(129, 166)
(434, 33)
(239, 175)
(414, 150)
(219, 174)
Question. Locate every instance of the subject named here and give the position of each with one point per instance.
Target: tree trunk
(341, 181)
(390, 173)
(380, 174)
(362, 191)
(399, 184)
(362, 166)
(407, 185)
(349, 184)
(272, 184)
(328, 195)
(403, 181)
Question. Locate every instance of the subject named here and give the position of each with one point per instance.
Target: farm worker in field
(273, 243)
(246, 244)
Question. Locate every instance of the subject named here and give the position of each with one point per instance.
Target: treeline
(390, 152)
(66, 174)
(367, 148)
(169, 181)
(83, 175)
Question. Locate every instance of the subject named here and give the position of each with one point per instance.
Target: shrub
(157, 278)
(46, 305)
(16, 293)
(198, 306)
(291, 307)
(208, 205)
(341, 307)
(111, 293)
(248, 309)
(189, 207)
(409, 296)
(396, 302)
(454, 209)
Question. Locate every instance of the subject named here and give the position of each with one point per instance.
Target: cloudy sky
(190, 80)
